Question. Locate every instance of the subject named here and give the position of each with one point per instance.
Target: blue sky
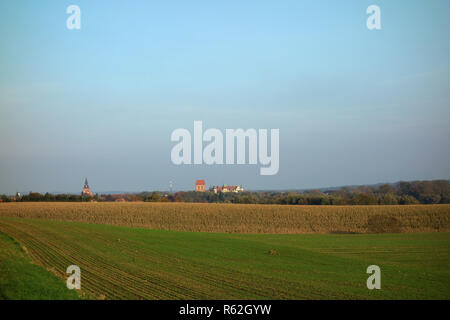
(353, 106)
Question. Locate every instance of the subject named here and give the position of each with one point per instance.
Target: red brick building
(200, 186)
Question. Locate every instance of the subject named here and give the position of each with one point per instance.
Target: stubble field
(236, 218)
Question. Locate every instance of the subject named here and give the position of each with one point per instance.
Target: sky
(352, 105)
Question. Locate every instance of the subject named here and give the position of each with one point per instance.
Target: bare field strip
(236, 218)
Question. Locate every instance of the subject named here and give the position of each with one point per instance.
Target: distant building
(225, 189)
(86, 190)
(200, 186)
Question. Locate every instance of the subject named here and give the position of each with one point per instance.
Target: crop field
(20, 279)
(223, 251)
(235, 218)
(138, 263)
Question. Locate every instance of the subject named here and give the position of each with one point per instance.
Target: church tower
(86, 190)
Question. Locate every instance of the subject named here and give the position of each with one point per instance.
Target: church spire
(86, 190)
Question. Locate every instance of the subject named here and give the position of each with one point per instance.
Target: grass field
(21, 279)
(120, 262)
(235, 218)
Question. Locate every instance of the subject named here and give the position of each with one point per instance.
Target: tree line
(401, 193)
(417, 192)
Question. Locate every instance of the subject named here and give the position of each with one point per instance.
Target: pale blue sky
(353, 106)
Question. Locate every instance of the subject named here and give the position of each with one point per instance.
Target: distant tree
(315, 193)
(388, 198)
(385, 189)
(430, 198)
(155, 197)
(341, 201)
(408, 200)
(403, 188)
(365, 199)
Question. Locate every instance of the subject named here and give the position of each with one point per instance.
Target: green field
(119, 262)
(21, 279)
